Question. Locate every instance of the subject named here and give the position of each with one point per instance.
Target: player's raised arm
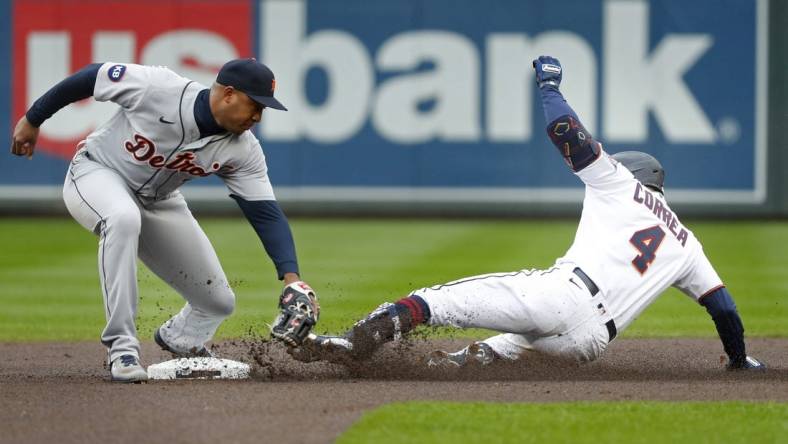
(76, 87)
(566, 132)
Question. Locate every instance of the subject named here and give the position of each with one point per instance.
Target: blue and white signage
(435, 99)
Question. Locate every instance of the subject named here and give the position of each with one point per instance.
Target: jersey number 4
(647, 242)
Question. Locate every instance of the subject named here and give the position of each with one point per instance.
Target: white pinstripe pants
(549, 311)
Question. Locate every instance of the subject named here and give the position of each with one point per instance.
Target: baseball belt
(593, 289)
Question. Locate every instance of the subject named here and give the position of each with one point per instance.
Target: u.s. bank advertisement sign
(430, 99)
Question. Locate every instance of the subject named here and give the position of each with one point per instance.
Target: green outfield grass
(49, 282)
(581, 422)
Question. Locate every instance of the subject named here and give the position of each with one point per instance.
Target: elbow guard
(573, 141)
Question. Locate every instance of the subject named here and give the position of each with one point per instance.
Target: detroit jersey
(632, 244)
(153, 140)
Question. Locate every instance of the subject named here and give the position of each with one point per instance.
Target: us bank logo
(440, 97)
(434, 99)
(483, 89)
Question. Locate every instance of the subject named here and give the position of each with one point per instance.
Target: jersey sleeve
(700, 279)
(606, 175)
(250, 179)
(124, 83)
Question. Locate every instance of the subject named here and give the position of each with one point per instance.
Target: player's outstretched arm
(719, 304)
(76, 87)
(566, 132)
(273, 229)
(298, 307)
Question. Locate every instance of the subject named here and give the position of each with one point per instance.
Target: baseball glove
(299, 312)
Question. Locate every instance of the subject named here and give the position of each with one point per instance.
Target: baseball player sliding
(123, 182)
(629, 247)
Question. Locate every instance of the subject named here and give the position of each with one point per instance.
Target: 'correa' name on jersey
(144, 150)
(643, 196)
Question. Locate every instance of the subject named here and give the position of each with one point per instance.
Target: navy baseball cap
(251, 78)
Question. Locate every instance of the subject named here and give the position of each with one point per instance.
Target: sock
(414, 310)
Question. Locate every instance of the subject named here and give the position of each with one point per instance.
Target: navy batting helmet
(646, 169)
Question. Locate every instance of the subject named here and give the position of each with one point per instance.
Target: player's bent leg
(539, 311)
(506, 347)
(522, 301)
(515, 302)
(585, 343)
(185, 334)
(509, 346)
(489, 301)
(176, 249)
(100, 201)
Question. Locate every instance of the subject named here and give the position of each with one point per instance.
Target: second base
(199, 368)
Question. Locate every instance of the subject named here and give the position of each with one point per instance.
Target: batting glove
(548, 71)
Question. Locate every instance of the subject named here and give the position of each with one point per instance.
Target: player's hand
(24, 139)
(749, 363)
(548, 71)
(298, 313)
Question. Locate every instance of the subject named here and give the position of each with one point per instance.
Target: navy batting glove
(548, 71)
(748, 363)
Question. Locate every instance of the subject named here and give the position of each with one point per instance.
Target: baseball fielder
(123, 182)
(629, 247)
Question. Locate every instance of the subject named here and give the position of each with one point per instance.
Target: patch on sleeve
(116, 72)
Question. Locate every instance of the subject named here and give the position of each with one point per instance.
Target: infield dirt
(59, 392)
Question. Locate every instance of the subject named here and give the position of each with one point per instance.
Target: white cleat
(127, 368)
(334, 349)
(476, 354)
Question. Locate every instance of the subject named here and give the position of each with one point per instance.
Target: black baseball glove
(299, 312)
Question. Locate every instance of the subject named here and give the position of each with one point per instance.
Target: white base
(199, 368)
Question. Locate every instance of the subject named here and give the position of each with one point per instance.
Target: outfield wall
(428, 106)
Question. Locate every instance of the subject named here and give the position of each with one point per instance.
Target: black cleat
(195, 352)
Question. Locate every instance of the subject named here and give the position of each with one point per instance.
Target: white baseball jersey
(632, 245)
(154, 143)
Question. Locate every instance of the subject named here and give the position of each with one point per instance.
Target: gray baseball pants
(168, 240)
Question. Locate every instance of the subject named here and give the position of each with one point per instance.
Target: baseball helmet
(646, 169)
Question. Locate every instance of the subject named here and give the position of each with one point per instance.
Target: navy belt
(593, 289)
(586, 280)
(611, 330)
